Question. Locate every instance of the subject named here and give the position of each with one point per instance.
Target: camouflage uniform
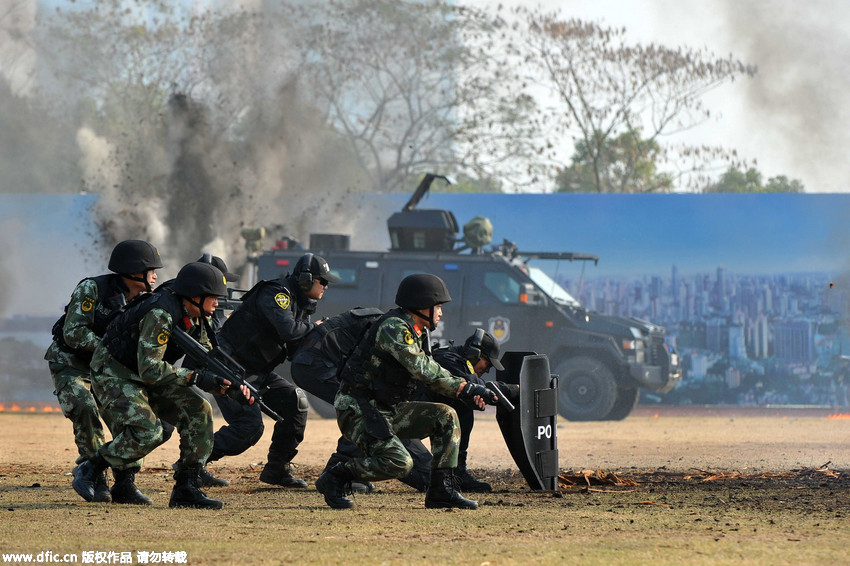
(69, 368)
(375, 423)
(133, 400)
(315, 368)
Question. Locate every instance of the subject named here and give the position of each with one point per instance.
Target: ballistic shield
(530, 431)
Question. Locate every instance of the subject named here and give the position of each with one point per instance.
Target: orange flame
(34, 407)
(839, 416)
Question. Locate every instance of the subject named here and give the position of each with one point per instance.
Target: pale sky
(792, 117)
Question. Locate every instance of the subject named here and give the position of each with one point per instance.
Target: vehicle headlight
(635, 347)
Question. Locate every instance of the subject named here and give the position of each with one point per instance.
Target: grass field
(707, 488)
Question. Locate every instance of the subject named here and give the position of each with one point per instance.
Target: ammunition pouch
(375, 424)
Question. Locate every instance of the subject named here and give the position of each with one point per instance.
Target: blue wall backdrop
(753, 289)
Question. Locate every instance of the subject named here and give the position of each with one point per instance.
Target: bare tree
(407, 92)
(593, 86)
(17, 20)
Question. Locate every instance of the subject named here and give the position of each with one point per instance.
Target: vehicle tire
(627, 399)
(322, 408)
(586, 389)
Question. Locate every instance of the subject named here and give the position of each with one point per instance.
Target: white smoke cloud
(98, 161)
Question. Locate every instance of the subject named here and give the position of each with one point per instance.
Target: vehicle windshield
(548, 285)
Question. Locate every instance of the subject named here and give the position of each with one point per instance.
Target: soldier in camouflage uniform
(373, 405)
(217, 319)
(133, 376)
(94, 302)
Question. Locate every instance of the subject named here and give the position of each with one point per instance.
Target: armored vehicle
(602, 362)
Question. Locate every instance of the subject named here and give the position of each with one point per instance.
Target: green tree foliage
(750, 181)
(625, 164)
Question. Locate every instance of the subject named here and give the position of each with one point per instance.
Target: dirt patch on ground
(664, 439)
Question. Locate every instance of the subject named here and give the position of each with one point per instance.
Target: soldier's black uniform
(261, 334)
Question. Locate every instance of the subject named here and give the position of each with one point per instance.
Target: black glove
(207, 381)
(236, 393)
(510, 390)
(471, 390)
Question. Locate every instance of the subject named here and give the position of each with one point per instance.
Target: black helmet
(421, 291)
(134, 256)
(310, 267)
(219, 263)
(200, 279)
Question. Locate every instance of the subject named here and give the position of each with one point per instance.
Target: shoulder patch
(87, 304)
(282, 300)
(162, 338)
(469, 366)
(408, 337)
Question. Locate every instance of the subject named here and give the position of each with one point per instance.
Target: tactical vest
(122, 335)
(110, 301)
(252, 338)
(338, 335)
(388, 383)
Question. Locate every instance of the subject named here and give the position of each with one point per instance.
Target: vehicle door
(361, 284)
(496, 298)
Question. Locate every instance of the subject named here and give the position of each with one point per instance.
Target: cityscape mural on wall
(752, 289)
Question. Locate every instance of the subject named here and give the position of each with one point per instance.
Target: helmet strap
(429, 318)
(143, 279)
(200, 305)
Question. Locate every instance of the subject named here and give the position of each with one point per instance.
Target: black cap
(489, 349)
(219, 263)
(316, 266)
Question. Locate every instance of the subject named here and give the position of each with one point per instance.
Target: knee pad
(303, 405)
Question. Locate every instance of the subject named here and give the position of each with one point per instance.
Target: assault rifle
(219, 363)
(231, 302)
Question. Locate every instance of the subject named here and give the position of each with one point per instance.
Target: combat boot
(362, 487)
(125, 490)
(442, 494)
(356, 486)
(87, 474)
(281, 474)
(101, 489)
(465, 481)
(186, 492)
(335, 484)
(416, 479)
(207, 479)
